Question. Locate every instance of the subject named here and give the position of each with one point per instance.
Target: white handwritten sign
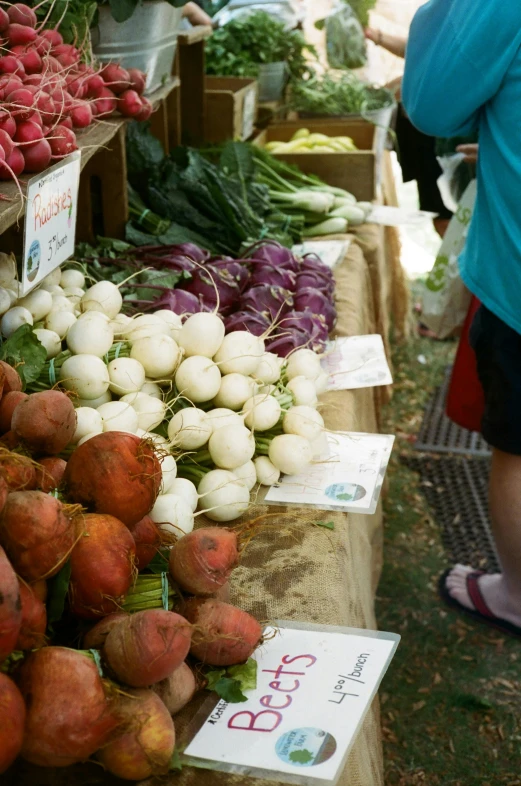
(331, 252)
(347, 476)
(356, 362)
(314, 686)
(50, 220)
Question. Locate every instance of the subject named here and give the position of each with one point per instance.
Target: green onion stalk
(144, 218)
(193, 472)
(150, 591)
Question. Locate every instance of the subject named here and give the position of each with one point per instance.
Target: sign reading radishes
(314, 686)
(50, 220)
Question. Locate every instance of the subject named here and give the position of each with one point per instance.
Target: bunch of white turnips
(232, 371)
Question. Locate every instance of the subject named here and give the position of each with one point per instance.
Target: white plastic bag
(449, 166)
(446, 299)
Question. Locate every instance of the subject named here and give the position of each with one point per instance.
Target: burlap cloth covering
(295, 570)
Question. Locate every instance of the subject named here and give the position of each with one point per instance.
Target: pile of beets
(112, 691)
(47, 93)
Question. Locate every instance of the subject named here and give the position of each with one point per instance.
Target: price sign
(315, 684)
(50, 220)
(356, 362)
(331, 252)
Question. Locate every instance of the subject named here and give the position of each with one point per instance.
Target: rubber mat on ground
(456, 490)
(438, 434)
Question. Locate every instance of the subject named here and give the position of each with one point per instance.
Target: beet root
(95, 638)
(12, 379)
(18, 471)
(115, 473)
(10, 607)
(34, 620)
(147, 646)
(49, 473)
(37, 534)
(102, 565)
(223, 635)
(202, 561)
(68, 714)
(45, 421)
(7, 406)
(146, 744)
(12, 712)
(177, 689)
(147, 538)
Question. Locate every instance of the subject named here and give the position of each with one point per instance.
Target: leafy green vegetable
(338, 95)
(230, 683)
(175, 761)
(75, 17)
(250, 40)
(245, 674)
(301, 757)
(325, 524)
(25, 353)
(58, 588)
(361, 9)
(159, 563)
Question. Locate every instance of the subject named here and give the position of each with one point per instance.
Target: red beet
(18, 471)
(45, 421)
(145, 743)
(115, 473)
(95, 638)
(178, 689)
(147, 538)
(34, 620)
(202, 562)
(68, 714)
(12, 712)
(37, 535)
(49, 472)
(12, 379)
(224, 635)
(10, 608)
(102, 564)
(147, 646)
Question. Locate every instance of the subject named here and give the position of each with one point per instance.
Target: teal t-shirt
(463, 74)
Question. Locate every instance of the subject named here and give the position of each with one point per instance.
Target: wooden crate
(355, 171)
(231, 108)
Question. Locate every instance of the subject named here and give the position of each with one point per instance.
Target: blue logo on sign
(305, 747)
(33, 260)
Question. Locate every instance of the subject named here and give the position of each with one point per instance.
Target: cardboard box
(355, 171)
(231, 108)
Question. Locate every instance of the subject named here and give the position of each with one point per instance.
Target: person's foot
(493, 590)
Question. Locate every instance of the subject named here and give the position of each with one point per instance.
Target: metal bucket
(272, 81)
(148, 40)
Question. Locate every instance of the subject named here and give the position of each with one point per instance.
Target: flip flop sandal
(481, 611)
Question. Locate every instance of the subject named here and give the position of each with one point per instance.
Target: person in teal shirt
(463, 75)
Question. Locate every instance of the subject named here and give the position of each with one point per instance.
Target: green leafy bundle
(74, 17)
(251, 40)
(338, 95)
(361, 8)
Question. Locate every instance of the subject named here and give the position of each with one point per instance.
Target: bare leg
(501, 591)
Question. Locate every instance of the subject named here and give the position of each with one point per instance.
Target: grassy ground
(451, 699)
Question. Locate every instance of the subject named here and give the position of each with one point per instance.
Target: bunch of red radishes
(55, 707)
(47, 92)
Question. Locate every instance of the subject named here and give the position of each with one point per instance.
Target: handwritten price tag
(50, 221)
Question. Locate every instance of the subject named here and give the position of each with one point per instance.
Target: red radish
(49, 472)
(202, 562)
(18, 471)
(7, 143)
(68, 714)
(81, 114)
(45, 105)
(147, 646)
(7, 407)
(35, 118)
(146, 110)
(21, 101)
(12, 712)
(94, 83)
(62, 141)
(21, 34)
(130, 104)
(11, 65)
(34, 620)
(8, 124)
(38, 80)
(137, 80)
(177, 689)
(224, 635)
(51, 64)
(38, 157)
(105, 101)
(147, 538)
(10, 82)
(53, 36)
(115, 473)
(45, 421)
(4, 20)
(29, 58)
(94, 639)
(102, 565)
(12, 380)
(116, 77)
(10, 607)
(21, 14)
(145, 743)
(66, 123)
(15, 166)
(27, 132)
(42, 45)
(37, 534)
